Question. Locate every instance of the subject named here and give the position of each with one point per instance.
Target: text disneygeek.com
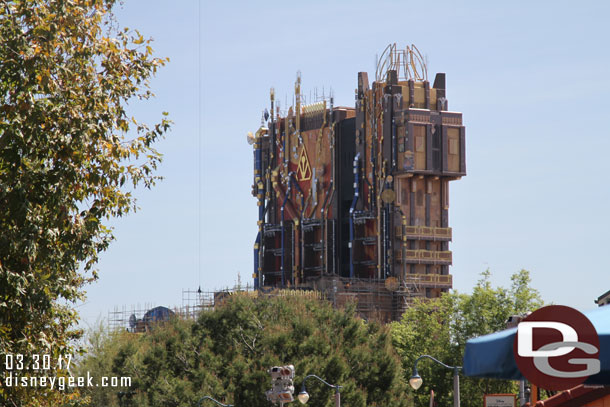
(62, 382)
(33, 371)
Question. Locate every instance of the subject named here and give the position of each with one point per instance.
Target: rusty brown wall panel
(444, 208)
(445, 150)
(411, 202)
(420, 202)
(453, 147)
(419, 136)
(420, 97)
(428, 208)
(435, 204)
(427, 94)
(463, 150)
(429, 144)
(436, 143)
(411, 93)
(410, 140)
(403, 191)
(401, 147)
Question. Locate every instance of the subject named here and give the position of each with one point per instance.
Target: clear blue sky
(531, 79)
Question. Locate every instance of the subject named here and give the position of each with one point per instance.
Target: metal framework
(408, 63)
(193, 303)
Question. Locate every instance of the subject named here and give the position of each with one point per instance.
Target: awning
(492, 356)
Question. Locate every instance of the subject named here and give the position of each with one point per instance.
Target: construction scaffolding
(138, 318)
(383, 300)
(119, 318)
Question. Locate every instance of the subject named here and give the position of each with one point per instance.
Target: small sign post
(500, 400)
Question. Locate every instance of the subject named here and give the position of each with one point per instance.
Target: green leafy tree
(69, 158)
(226, 354)
(441, 327)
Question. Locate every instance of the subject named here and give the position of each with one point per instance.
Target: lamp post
(199, 403)
(416, 381)
(304, 396)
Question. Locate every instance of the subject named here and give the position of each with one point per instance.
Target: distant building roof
(603, 299)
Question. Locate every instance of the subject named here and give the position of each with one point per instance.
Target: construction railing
(424, 257)
(424, 233)
(430, 280)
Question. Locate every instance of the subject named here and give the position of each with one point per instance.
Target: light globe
(303, 397)
(416, 382)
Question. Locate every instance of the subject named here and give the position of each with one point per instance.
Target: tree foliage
(226, 354)
(441, 327)
(69, 157)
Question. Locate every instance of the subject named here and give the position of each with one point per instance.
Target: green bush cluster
(226, 353)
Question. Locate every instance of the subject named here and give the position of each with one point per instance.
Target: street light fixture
(199, 403)
(416, 381)
(304, 396)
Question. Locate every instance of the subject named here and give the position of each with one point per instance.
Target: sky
(531, 79)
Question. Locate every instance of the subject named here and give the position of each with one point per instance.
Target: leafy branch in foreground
(69, 156)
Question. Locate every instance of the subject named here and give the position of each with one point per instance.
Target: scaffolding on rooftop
(194, 302)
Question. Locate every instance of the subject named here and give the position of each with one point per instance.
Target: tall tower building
(353, 202)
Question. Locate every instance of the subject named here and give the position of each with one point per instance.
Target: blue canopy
(492, 356)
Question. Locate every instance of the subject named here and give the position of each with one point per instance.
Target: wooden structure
(354, 201)
(579, 396)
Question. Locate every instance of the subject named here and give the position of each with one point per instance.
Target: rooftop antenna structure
(408, 63)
